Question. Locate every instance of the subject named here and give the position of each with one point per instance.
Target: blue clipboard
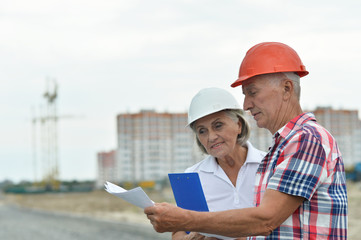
(188, 194)
(188, 191)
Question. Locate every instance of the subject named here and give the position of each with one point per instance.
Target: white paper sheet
(138, 197)
(135, 196)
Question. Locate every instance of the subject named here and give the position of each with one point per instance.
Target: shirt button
(236, 198)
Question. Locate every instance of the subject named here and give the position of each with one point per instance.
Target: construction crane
(50, 141)
(48, 121)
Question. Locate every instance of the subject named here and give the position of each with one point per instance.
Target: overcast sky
(110, 57)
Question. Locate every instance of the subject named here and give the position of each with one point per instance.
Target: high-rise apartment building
(150, 145)
(345, 126)
(107, 167)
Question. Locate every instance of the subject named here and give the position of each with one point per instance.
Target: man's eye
(218, 125)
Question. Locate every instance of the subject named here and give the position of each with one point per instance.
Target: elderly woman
(228, 172)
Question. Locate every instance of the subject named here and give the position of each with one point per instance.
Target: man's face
(264, 100)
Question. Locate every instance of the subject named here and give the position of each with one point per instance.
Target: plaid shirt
(305, 161)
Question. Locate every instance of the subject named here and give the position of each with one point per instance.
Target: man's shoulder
(315, 129)
(304, 124)
(310, 134)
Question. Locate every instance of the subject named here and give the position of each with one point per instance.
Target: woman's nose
(212, 136)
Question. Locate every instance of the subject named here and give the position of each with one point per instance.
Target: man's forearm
(232, 223)
(274, 209)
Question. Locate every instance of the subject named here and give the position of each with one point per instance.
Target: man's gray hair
(296, 82)
(287, 75)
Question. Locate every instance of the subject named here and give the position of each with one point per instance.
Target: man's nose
(246, 104)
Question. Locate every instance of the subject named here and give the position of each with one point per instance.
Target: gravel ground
(105, 216)
(17, 223)
(74, 216)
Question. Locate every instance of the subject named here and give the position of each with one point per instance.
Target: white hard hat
(210, 100)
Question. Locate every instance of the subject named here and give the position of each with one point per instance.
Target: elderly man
(300, 188)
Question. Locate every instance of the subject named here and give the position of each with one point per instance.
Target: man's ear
(287, 89)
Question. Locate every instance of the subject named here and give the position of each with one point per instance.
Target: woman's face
(218, 133)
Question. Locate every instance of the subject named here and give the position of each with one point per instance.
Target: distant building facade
(107, 167)
(150, 145)
(345, 126)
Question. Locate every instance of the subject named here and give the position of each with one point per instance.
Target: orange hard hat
(269, 57)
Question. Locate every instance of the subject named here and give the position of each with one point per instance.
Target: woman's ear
(240, 126)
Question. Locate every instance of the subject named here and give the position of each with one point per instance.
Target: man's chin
(260, 124)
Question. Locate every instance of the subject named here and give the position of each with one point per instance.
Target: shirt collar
(210, 164)
(295, 124)
(253, 154)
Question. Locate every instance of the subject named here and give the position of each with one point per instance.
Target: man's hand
(166, 217)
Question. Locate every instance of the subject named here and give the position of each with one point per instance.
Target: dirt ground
(98, 204)
(102, 205)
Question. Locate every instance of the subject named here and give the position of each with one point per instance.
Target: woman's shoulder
(200, 165)
(254, 154)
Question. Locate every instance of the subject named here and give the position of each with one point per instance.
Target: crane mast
(48, 128)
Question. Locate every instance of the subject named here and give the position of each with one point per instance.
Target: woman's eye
(201, 131)
(218, 125)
